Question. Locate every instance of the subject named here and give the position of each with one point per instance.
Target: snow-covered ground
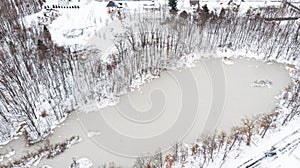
(92, 26)
(81, 163)
(75, 27)
(279, 149)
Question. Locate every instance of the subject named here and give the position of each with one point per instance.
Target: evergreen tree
(205, 8)
(173, 4)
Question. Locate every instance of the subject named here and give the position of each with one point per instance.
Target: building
(63, 2)
(67, 2)
(194, 2)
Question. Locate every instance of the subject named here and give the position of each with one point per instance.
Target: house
(66, 2)
(151, 6)
(122, 5)
(63, 2)
(111, 6)
(194, 2)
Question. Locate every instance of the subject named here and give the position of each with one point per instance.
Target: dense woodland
(35, 74)
(41, 82)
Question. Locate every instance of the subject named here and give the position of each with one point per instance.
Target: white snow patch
(92, 133)
(261, 83)
(82, 163)
(227, 61)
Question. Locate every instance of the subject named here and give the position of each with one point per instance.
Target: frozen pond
(178, 106)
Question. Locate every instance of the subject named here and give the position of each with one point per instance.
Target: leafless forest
(36, 73)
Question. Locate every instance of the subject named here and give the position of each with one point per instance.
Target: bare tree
(248, 128)
(266, 122)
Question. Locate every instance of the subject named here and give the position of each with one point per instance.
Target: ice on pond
(261, 83)
(227, 61)
(91, 133)
(210, 78)
(7, 155)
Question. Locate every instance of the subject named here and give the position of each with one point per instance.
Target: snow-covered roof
(111, 4)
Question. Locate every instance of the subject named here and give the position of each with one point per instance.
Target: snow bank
(82, 163)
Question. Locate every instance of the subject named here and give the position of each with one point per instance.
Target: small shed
(111, 6)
